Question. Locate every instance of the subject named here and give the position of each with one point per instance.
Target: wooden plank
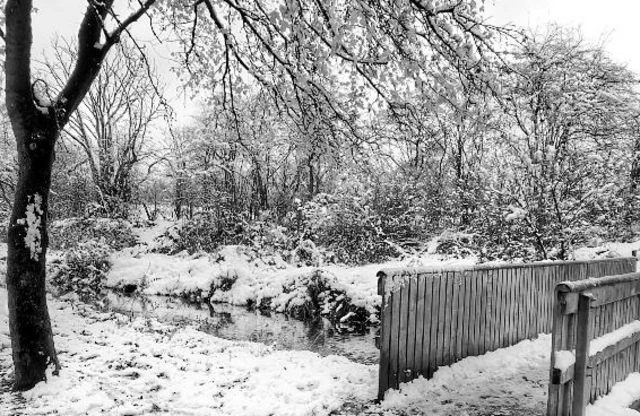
(518, 283)
(436, 353)
(512, 314)
(429, 316)
(490, 323)
(402, 341)
(604, 295)
(395, 337)
(544, 298)
(563, 376)
(410, 365)
(467, 328)
(460, 309)
(533, 292)
(518, 320)
(503, 300)
(453, 312)
(495, 310)
(446, 329)
(474, 301)
(420, 366)
(614, 349)
(385, 337)
(485, 328)
(582, 357)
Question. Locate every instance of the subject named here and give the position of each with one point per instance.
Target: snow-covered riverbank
(234, 277)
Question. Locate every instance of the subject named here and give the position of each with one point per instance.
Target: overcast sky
(616, 20)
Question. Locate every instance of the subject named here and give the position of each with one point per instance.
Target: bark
(36, 127)
(29, 323)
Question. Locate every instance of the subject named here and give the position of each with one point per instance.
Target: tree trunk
(29, 324)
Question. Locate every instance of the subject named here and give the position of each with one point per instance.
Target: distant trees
(568, 139)
(112, 124)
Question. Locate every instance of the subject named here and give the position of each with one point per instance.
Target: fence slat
(435, 355)
(467, 326)
(427, 320)
(403, 332)
(395, 337)
(419, 364)
(410, 365)
(385, 337)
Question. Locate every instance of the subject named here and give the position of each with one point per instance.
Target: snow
(606, 249)
(32, 221)
(564, 360)
(506, 378)
(612, 338)
(114, 366)
(617, 403)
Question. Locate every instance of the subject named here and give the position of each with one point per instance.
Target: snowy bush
(82, 269)
(347, 226)
(312, 294)
(205, 231)
(69, 233)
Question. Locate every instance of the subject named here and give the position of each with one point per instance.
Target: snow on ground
(617, 403)
(615, 249)
(119, 367)
(509, 378)
(147, 235)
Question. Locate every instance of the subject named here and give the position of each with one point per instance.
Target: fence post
(385, 328)
(580, 386)
(556, 389)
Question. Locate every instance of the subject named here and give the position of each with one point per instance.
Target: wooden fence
(596, 340)
(432, 318)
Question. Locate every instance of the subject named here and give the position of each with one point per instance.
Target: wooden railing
(432, 318)
(596, 340)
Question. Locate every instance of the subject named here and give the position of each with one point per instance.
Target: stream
(239, 324)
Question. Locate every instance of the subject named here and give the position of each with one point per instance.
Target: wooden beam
(605, 294)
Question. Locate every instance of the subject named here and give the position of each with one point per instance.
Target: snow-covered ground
(115, 366)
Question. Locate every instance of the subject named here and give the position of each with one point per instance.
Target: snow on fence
(595, 341)
(433, 317)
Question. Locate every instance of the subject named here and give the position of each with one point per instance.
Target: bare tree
(112, 122)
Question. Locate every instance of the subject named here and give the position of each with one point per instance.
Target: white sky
(616, 20)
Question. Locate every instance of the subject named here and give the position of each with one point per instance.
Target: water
(239, 324)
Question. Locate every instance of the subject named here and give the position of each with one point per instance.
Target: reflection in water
(237, 323)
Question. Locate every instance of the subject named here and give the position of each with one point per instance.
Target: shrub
(205, 231)
(82, 269)
(347, 226)
(69, 233)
